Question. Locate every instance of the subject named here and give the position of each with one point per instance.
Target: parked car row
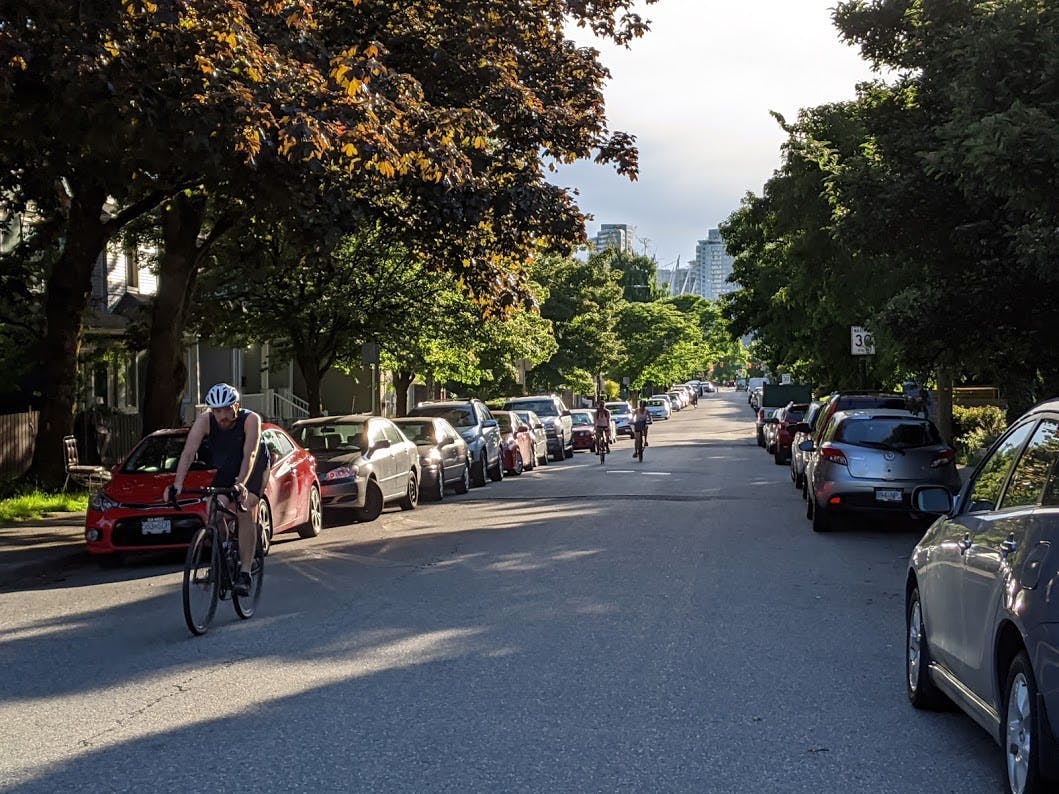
(981, 619)
(357, 463)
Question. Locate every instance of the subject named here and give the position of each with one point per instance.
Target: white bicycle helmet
(221, 396)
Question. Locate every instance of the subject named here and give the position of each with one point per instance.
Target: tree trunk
(401, 381)
(67, 291)
(944, 407)
(313, 374)
(166, 375)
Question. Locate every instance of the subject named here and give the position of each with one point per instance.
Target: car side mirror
(800, 427)
(490, 423)
(807, 445)
(446, 442)
(382, 443)
(772, 421)
(935, 500)
(567, 413)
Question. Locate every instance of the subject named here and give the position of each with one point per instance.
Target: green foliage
(974, 428)
(611, 389)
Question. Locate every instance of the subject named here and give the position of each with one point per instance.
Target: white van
(754, 383)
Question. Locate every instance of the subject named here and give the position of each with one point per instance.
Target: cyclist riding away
(233, 438)
(640, 420)
(602, 425)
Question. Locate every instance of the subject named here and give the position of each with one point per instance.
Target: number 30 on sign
(861, 342)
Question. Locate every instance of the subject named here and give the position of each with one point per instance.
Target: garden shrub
(975, 427)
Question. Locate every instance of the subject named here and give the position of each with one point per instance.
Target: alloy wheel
(1018, 733)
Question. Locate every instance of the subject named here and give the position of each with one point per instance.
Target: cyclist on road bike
(640, 420)
(233, 436)
(602, 424)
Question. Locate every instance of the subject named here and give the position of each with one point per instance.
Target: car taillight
(943, 459)
(761, 415)
(833, 455)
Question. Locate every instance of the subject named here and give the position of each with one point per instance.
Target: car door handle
(965, 543)
(1009, 546)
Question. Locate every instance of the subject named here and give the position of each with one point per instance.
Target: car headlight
(341, 473)
(100, 502)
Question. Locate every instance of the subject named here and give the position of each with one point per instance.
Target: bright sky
(696, 92)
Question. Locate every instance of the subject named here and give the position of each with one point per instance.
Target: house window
(132, 269)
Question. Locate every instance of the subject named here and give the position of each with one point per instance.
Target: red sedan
(127, 515)
(516, 442)
(785, 420)
(584, 420)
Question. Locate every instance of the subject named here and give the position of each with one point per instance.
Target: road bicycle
(602, 443)
(641, 438)
(212, 565)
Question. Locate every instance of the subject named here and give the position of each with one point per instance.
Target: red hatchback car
(128, 516)
(516, 443)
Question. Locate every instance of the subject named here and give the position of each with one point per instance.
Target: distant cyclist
(241, 459)
(640, 420)
(602, 425)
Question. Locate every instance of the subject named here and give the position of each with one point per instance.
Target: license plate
(155, 526)
(888, 494)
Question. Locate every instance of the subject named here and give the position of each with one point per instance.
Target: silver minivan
(869, 461)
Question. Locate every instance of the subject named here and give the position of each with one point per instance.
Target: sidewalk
(42, 547)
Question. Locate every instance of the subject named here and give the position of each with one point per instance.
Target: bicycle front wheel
(245, 605)
(201, 580)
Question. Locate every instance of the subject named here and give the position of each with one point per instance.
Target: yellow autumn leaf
(480, 142)
(385, 169)
(111, 47)
(349, 150)
(339, 73)
(354, 86)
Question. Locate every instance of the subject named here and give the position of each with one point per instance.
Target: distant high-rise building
(711, 267)
(618, 236)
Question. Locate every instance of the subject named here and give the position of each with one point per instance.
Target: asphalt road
(666, 626)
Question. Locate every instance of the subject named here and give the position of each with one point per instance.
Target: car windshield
(456, 416)
(581, 417)
(418, 432)
(159, 455)
(524, 416)
(657, 403)
(503, 418)
(332, 437)
(887, 432)
(795, 416)
(539, 407)
(618, 408)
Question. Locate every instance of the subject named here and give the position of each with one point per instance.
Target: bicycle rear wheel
(202, 575)
(245, 605)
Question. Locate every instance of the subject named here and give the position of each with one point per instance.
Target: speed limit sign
(861, 342)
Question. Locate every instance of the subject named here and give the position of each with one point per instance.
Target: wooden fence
(17, 434)
(103, 440)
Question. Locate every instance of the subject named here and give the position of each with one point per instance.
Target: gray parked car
(443, 457)
(556, 418)
(981, 600)
(479, 430)
(363, 462)
(869, 462)
(803, 431)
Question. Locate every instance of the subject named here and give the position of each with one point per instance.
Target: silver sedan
(870, 461)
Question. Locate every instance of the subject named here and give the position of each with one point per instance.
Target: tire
(479, 476)
(569, 453)
(201, 581)
(760, 439)
(438, 493)
(312, 527)
(264, 522)
(821, 520)
(245, 606)
(464, 483)
(410, 500)
(372, 504)
(531, 464)
(543, 459)
(778, 456)
(496, 474)
(561, 452)
(922, 693)
(1019, 722)
(519, 465)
